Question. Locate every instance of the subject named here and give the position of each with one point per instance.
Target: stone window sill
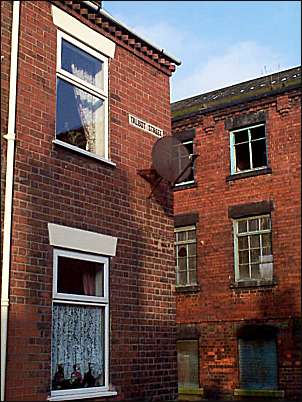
(190, 394)
(250, 173)
(253, 284)
(185, 186)
(187, 289)
(268, 393)
(77, 396)
(83, 152)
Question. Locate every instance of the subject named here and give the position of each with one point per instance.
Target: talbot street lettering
(143, 125)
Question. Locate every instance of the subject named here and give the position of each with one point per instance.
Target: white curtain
(89, 108)
(77, 338)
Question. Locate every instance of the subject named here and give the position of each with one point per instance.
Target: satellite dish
(171, 159)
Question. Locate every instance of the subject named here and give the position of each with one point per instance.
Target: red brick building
(237, 234)
(83, 101)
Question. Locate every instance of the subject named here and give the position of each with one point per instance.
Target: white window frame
(187, 242)
(236, 247)
(192, 167)
(233, 153)
(87, 87)
(103, 303)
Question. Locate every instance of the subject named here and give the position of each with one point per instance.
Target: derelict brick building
(237, 233)
(79, 231)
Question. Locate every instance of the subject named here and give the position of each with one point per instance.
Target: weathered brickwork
(53, 184)
(219, 307)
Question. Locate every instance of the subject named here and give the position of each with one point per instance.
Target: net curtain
(77, 339)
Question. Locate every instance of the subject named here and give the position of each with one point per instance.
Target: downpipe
(8, 201)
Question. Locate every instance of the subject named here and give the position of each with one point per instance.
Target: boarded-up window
(187, 361)
(258, 363)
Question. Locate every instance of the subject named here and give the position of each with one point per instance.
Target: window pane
(266, 251)
(181, 236)
(243, 243)
(182, 278)
(265, 223)
(257, 132)
(242, 157)
(77, 346)
(192, 249)
(266, 240)
(255, 254)
(243, 257)
(81, 64)
(255, 241)
(244, 272)
(191, 234)
(182, 264)
(192, 276)
(192, 263)
(80, 277)
(242, 226)
(241, 136)
(182, 251)
(255, 271)
(253, 225)
(188, 364)
(259, 153)
(80, 118)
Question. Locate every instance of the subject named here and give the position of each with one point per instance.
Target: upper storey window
(82, 96)
(248, 149)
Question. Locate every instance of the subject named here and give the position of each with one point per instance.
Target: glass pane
(255, 271)
(242, 157)
(182, 263)
(182, 278)
(266, 240)
(257, 132)
(255, 255)
(266, 251)
(265, 223)
(243, 257)
(78, 353)
(253, 225)
(259, 153)
(80, 118)
(243, 243)
(182, 251)
(80, 277)
(191, 234)
(181, 236)
(81, 64)
(241, 136)
(255, 241)
(192, 249)
(188, 364)
(192, 263)
(244, 272)
(242, 226)
(192, 276)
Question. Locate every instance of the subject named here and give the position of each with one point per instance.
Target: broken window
(248, 149)
(190, 179)
(185, 249)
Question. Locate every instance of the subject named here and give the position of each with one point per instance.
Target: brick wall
(55, 185)
(217, 307)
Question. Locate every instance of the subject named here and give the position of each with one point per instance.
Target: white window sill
(83, 152)
(76, 396)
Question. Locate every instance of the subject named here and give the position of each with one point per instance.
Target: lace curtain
(88, 107)
(78, 339)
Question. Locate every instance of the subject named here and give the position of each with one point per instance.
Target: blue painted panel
(258, 363)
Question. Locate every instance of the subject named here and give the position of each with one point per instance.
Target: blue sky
(220, 43)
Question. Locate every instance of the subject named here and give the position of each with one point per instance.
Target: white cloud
(240, 62)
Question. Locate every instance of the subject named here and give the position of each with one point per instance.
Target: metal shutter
(258, 363)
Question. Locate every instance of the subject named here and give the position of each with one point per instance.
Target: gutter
(122, 25)
(8, 201)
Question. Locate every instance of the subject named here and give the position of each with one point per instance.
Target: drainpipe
(7, 226)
